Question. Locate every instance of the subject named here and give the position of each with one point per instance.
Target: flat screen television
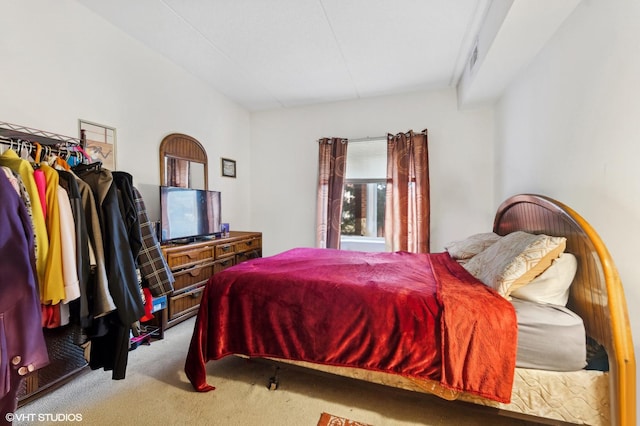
(188, 214)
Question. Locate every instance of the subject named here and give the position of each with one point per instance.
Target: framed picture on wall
(100, 143)
(228, 168)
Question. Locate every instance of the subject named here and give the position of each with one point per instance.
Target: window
(364, 196)
(363, 208)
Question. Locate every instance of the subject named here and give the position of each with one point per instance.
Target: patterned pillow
(551, 286)
(469, 247)
(515, 260)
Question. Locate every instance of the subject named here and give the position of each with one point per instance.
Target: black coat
(111, 350)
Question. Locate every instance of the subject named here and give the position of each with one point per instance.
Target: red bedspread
(417, 315)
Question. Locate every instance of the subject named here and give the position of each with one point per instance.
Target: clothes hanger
(7, 141)
(38, 153)
(55, 160)
(23, 150)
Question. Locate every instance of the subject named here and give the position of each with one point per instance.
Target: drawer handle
(226, 248)
(195, 272)
(195, 294)
(249, 243)
(194, 254)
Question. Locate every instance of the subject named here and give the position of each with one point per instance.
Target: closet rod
(61, 151)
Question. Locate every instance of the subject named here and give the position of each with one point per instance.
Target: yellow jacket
(52, 292)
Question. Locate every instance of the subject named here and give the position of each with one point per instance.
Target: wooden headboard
(596, 293)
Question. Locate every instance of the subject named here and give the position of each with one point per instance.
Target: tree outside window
(363, 208)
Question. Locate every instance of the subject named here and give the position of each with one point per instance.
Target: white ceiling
(267, 54)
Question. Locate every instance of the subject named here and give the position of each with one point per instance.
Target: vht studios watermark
(43, 417)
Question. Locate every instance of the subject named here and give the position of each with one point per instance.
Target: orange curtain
(407, 212)
(331, 170)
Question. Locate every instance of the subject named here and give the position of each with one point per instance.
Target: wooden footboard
(596, 293)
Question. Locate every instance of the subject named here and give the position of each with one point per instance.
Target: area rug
(331, 420)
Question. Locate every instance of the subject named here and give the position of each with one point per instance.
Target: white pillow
(552, 286)
(515, 260)
(470, 246)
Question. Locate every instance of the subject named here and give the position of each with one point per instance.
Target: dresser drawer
(253, 254)
(223, 264)
(185, 303)
(196, 275)
(189, 257)
(225, 250)
(249, 244)
(193, 264)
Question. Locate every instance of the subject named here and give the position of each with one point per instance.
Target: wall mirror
(183, 162)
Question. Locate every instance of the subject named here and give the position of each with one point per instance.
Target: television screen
(187, 213)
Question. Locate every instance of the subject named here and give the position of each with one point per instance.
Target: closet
(91, 322)
(66, 359)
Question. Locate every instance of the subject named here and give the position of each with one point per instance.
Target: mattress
(550, 337)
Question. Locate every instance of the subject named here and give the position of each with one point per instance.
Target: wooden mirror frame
(182, 147)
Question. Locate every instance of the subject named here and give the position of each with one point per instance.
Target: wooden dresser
(193, 264)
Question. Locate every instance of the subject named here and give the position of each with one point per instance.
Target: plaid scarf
(153, 266)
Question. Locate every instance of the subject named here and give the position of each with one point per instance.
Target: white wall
(367, 159)
(60, 63)
(569, 128)
(284, 156)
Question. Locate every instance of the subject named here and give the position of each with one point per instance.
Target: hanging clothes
(80, 310)
(41, 183)
(22, 345)
(111, 350)
(121, 269)
(85, 241)
(11, 159)
(153, 266)
(54, 278)
(126, 200)
(101, 302)
(69, 249)
(13, 179)
(16, 182)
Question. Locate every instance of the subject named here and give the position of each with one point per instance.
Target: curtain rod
(365, 139)
(375, 138)
(368, 139)
(385, 137)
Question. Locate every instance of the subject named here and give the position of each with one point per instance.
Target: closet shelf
(16, 132)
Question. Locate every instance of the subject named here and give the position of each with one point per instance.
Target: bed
(236, 319)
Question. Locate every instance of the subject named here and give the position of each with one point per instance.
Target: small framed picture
(228, 168)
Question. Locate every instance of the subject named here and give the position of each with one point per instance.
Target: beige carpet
(156, 391)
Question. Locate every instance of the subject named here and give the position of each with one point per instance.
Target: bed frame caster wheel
(273, 384)
(273, 381)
